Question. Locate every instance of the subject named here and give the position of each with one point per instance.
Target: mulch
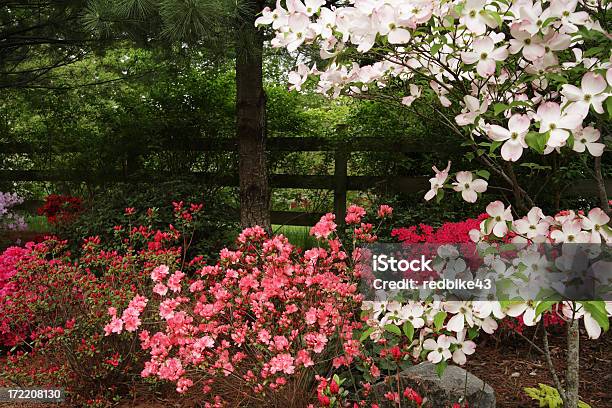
(508, 363)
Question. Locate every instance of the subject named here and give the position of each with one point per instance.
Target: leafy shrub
(548, 396)
(9, 220)
(60, 208)
(264, 318)
(53, 308)
(213, 229)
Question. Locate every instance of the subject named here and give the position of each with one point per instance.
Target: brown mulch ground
(506, 362)
(510, 364)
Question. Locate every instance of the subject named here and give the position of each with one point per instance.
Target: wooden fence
(340, 182)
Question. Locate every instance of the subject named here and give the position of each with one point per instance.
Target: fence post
(341, 157)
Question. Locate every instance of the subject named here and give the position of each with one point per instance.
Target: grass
(297, 235)
(37, 223)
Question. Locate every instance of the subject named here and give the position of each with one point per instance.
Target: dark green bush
(105, 209)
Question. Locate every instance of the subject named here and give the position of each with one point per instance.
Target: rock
(441, 392)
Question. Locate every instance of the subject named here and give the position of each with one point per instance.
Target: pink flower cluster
(262, 313)
(8, 267)
(448, 233)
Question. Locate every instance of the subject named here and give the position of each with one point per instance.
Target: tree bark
(573, 364)
(601, 186)
(251, 122)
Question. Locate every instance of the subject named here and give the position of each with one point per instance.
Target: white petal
(464, 177)
(570, 121)
(434, 357)
(399, 36)
(572, 92)
(596, 149)
(469, 195)
(519, 123)
(511, 151)
(479, 185)
(558, 137)
(500, 229)
(593, 83)
(469, 57)
(592, 327)
(430, 344)
(498, 133)
(459, 357)
(486, 68)
(456, 323)
(499, 54)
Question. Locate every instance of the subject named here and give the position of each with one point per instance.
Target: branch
(551, 367)
(601, 186)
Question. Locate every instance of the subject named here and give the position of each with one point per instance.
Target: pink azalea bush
(264, 318)
(54, 309)
(8, 267)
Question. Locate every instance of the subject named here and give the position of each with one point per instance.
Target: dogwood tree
(506, 76)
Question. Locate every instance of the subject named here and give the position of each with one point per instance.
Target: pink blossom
(384, 211)
(160, 289)
(115, 326)
(174, 282)
(324, 227)
(159, 273)
(354, 214)
(282, 363)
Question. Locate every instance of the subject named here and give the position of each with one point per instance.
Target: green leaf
(484, 174)
(439, 319)
(440, 367)
(543, 307)
(434, 50)
(592, 51)
(391, 328)
(597, 309)
(472, 333)
(520, 103)
(495, 16)
(609, 106)
(337, 379)
(499, 108)
(439, 195)
(408, 330)
(537, 141)
(366, 334)
(495, 145)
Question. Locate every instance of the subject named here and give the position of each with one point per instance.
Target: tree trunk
(601, 187)
(573, 364)
(251, 122)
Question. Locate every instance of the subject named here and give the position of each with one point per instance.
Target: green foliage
(297, 235)
(216, 226)
(548, 396)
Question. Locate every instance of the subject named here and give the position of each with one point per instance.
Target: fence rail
(340, 182)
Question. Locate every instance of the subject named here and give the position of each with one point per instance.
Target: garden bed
(511, 365)
(508, 365)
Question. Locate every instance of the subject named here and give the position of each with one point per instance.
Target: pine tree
(224, 28)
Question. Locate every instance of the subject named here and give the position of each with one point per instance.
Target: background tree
(225, 29)
(38, 37)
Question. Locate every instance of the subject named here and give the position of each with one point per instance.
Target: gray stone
(456, 384)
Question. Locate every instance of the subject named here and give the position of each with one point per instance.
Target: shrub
(214, 228)
(263, 318)
(54, 309)
(9, 220)
(61, 208)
